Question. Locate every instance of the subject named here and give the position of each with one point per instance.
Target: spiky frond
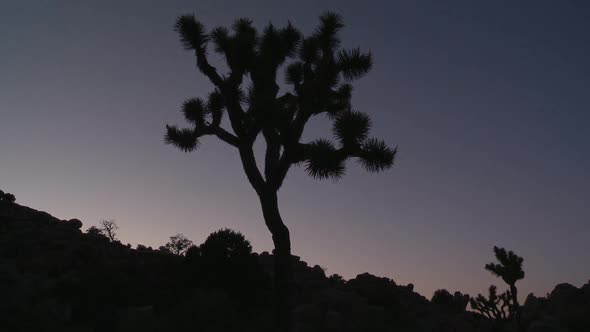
(270, 44)
(184, 139)
(327, 31)
(192, 32)
(194, 111)
(510, 267)
(340, 101)
(215, 101)
(324, 161)
(345, 91)
(351, 128)
(290, 38)
(376, 156)
(310, 51)
(243, 26)
(353, 63)
(294, 73)
(221, 40)
(215, 106)
(245, 40)
(328, 73)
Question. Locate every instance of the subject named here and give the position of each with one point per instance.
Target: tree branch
(250, 167)
(273, 149)
(292, 148)
(231, 95)
(226, 136)
(207, 69)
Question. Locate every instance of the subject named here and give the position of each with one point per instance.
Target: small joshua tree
(318, 82)
(178, 244)
(494, 306)
(510, 270)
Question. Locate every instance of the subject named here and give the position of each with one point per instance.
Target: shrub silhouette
(442, 297)
(178, 244)
(225, 261)
(109, 229)
(7, 197)
(318, 76)
(336, 280)
(453, 303)
(95, 231)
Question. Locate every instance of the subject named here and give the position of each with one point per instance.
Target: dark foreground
(54, 277)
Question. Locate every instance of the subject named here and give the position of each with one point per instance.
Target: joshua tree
(494, 306)
(510, 270)
(109, 229)
(318, 81)
(178, 244)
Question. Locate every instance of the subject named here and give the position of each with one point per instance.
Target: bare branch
(207, 69)
(109, 229)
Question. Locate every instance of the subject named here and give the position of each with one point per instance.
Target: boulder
(548, 324)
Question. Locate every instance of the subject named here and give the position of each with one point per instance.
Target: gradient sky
(487, 100)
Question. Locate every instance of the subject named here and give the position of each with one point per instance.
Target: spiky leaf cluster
(509, 267)
(192, 32)
(324, 160)
(184, 139)
(351, 128)
(318, 74)
(376, 156)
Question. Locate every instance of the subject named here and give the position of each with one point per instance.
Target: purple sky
(487, 100)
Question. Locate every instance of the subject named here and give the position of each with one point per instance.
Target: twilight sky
(487, 100)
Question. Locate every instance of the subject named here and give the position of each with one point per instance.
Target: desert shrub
(7, 197)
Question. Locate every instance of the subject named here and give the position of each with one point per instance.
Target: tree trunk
(515, 306)
(282, 259)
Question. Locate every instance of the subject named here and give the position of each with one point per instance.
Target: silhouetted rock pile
(54, 277)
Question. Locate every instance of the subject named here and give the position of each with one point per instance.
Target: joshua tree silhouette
(494, 306)
(318, 76)
(510, 270)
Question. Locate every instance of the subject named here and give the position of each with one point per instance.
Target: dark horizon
(487, 102)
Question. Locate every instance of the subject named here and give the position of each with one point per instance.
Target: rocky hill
(54, 277)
